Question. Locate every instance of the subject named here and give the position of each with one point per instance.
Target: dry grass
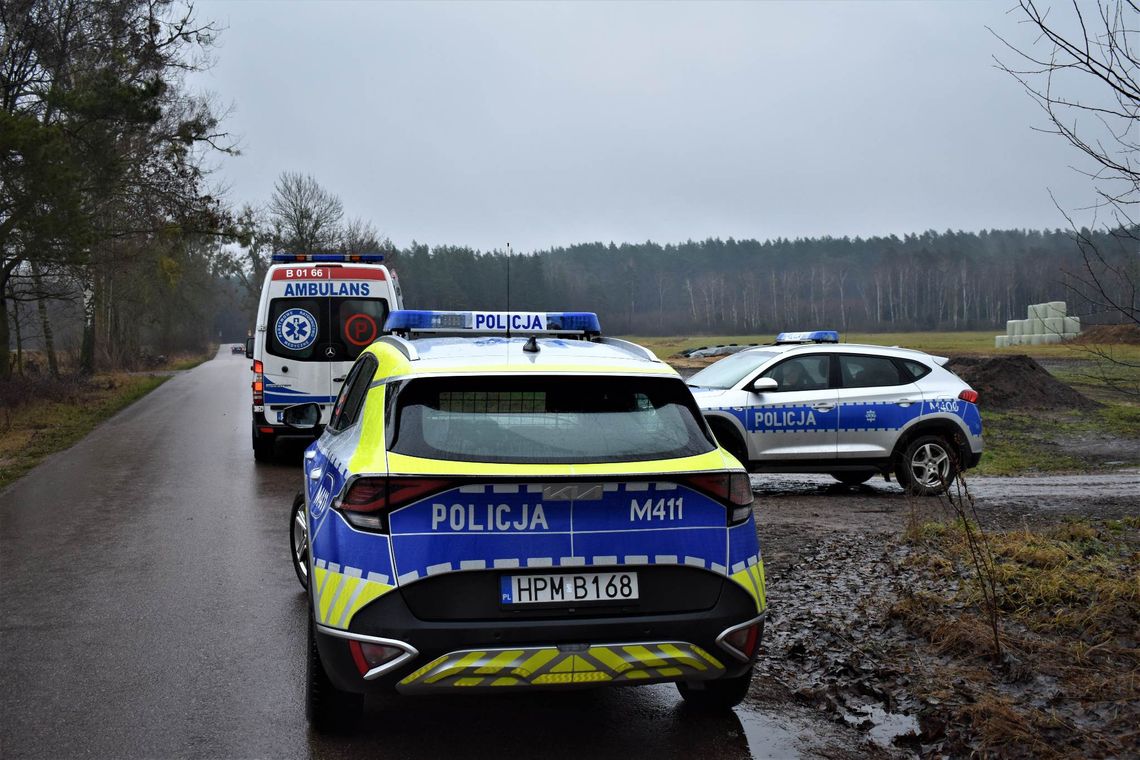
(1069, 685)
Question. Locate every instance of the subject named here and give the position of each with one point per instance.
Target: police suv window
(802, 373)
(869, 371)
(351, 398)
(915, 369)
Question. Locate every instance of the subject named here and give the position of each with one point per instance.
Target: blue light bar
(494, 322)
(340, 258)
(817, 336)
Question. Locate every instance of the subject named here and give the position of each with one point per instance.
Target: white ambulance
(317, 313)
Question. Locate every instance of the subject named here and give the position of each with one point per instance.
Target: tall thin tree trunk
(45, 321)
(6, 359)
(19, 334)
(87, 349)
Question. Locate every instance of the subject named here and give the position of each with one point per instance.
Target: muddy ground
(836, 565)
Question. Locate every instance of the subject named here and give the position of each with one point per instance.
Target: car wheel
(718, 695)
(329, 709)
(853, 478)
(299, 540)
(263, 449)
(730, 440)
(927, 466)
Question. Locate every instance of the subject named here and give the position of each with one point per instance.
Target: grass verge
(1069, 595)
(40, 417)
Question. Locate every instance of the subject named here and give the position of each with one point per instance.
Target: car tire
(299, 540)
(730, 440)
(263, 448)
(719, 695)
(853, 478)
(328, 709)
(928, 464)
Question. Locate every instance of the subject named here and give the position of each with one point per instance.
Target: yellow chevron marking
(534, 662)
(425, 669)
(669, 672)
(546, 678)
(453, 668)
(683, 658)
(468, 681)
(715, 662)
(609, 659)
(644, 656)
(594, 677)
(506, 681)
(348, 587)
(566, 665)
(747, 581)
(636, 674)
(500, 661)
(372, 590)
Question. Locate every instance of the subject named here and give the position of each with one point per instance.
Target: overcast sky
(545, 125)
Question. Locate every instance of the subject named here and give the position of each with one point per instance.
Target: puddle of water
(770, 737)
(888, 725)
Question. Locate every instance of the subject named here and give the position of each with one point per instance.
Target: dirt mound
(1109, 334)
(1016, 382)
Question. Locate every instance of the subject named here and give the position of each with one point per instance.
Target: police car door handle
(905, 401)
(315, 473)
(823, 406)
(339, 379)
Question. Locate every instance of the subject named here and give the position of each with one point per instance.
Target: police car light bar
(341, 258)
(817, 336)
(494, 322)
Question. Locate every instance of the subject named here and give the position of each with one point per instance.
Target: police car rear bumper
(562, 652)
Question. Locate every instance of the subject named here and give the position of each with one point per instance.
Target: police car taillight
(742, 641)
(971, 396)
(369, 500)
(734, 488)
(367, 655)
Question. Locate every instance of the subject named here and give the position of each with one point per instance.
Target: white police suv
(511, 501)
(811, 404)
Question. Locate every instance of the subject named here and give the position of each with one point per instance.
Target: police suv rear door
(876, 400)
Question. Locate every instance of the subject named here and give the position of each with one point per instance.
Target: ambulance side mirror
(761, 384)
(249, 348)
(302, 416)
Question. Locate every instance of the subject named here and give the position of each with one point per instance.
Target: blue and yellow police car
(508, 501)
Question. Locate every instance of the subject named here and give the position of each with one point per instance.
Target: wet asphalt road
(148, 609)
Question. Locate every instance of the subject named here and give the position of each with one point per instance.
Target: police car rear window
(548, 420)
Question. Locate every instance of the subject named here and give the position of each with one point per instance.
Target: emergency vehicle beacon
(317, 313)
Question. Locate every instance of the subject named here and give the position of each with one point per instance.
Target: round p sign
(360, 329)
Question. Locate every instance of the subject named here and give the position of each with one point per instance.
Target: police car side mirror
(302, 416)
(761, 384)
(249, 348)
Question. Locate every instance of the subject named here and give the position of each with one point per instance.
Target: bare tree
(305, 217)
(1083, 69)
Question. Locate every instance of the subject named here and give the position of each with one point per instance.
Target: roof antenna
(508, 291)
(531, 346)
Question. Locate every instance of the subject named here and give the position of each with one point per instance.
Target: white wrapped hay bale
(1001, 341)
(1072, 325)
(1052, 338)
(1036, 326)
(1034, 340)
(1052, 309)
(1011, 326)
(1034, 311)
(1054, 326)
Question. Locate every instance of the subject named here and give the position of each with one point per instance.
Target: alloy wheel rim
(930, 465)
(301, 542)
